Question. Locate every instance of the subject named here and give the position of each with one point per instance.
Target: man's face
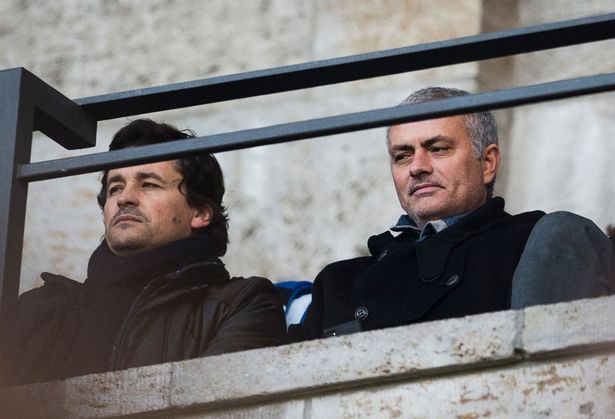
(145, 208)
(434, 171)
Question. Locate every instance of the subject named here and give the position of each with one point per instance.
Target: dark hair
(480, 126)
(202, 177)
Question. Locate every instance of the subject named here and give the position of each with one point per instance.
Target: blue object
(297, 299)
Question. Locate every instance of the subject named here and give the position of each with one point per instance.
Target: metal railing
(28, 104)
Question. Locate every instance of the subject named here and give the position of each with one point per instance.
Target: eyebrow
(429, 142)
(140, 176)
(424, 143)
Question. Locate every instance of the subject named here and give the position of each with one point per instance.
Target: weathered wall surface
(293, 207)
(296, 207)
(559, 153)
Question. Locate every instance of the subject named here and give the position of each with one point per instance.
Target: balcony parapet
(555, 360)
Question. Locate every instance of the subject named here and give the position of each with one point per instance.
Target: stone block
(569, 327)
(576, 388)
(353, 27)
(538, 11)
(381, 355)
(86, 48)
(541, 171)
(349, 27)
(292, 409)
(131, 391)
(543, 137)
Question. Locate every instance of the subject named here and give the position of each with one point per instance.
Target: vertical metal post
(26, 104)
(16, 123)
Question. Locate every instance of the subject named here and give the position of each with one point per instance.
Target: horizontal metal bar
(355, 67)
(316, 127)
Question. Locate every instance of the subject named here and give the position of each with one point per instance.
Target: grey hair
(480, 126)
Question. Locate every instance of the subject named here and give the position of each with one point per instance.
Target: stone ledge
(580, 325)
(389, 357)
(561, 388)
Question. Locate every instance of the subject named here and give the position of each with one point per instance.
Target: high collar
(105, 268)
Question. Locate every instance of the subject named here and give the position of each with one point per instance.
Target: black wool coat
(465, 269)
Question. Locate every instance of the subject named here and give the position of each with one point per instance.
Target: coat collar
(468, 224)
(107, 269)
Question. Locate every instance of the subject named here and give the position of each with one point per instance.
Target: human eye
(114, 189)
(150, 185)
(399, 158)
(439, 149)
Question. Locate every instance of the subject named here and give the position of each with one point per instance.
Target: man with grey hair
(480, 127)
(456, 251)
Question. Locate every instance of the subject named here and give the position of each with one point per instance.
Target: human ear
(491, 163)
(202, 217)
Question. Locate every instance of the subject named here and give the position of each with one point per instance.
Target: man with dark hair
(156, 290)
(456, 251)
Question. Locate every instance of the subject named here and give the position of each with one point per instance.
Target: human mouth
(424, 188)
(127, 217)
(124, 218)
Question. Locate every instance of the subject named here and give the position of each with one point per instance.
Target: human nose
(128, 196)
(420, 164)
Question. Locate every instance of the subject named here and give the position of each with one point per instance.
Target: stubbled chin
(426, 207)
(124, 227)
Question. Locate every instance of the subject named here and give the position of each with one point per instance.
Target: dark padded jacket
(193, 312)
(465, 269)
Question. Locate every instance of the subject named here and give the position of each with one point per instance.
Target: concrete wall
(296, 207)
(293, 207)
(546, 361)
(558, 153)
